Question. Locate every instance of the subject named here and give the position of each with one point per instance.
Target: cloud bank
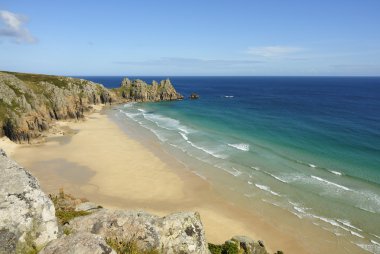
(13, 26)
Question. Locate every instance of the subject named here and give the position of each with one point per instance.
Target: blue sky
(198, 37)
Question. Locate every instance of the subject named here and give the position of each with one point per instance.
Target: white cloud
(13, 26)
(273, 51)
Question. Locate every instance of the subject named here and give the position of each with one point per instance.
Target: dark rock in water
(194, 96)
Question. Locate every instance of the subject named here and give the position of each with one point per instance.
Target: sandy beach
(98, 161)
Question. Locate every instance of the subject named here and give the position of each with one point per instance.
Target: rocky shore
(30, 222)
(30, 103)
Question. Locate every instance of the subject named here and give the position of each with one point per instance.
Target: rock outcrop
(81, 243)
(175, 233)
(194, 96)
(27, 215)
(138, 90)
(30, 102)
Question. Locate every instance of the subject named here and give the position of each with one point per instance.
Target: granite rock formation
(29, 102)
(176, 233)
(27, 215)
(138, 90)
(81, 243)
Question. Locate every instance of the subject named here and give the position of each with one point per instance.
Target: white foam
(234, 173)
(348, 224)
(242, 146)
(267, 189)
(129, 105)
(183, 136)
(141, 110)
(356, 234)
(275, 177)
(335, 172)
(312, 165)
(228, 96)
(256, 168)
(369, 247)
(378, 237)
(374, 242)
(330, 183)
(212, 153)
(249, 182)
(237, 172)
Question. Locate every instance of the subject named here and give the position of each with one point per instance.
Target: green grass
(36, 78)
(64, 216)
(226, 248)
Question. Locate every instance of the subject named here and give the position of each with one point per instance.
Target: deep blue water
(310, 145)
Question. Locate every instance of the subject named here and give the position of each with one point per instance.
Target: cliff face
(29, 102)
(138, 90)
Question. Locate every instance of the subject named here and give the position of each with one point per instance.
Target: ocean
(307, 147)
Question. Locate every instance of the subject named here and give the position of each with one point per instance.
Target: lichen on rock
(27, 215)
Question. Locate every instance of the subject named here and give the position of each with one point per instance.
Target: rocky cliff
(138, 90)
(30, 103)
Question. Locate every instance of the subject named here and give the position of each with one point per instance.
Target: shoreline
(128, 175)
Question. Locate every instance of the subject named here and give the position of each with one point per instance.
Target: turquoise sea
(307, 146)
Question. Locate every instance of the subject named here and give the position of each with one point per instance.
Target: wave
(156, 133)
(275, 177)
(267, 189)
(234, 173)
(212, 153)
(141, 110)
(183, 136)
(255, 168)
(242, 146)
(250, 183)
(331, 183)
(166, 122)
(335, 172)
(229, 96)
(369, 247)
(348, 224)
(312, 165)
(129, 105)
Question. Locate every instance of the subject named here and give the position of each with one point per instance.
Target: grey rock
(249, 245)
(175, 233)
(29, 103)
(79, 243)
(138, 90)
(27, 215)
(87, 206)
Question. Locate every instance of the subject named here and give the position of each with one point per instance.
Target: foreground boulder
(27, 215)
(175, 233)
(81, 243)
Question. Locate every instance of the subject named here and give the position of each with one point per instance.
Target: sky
(198, 37)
